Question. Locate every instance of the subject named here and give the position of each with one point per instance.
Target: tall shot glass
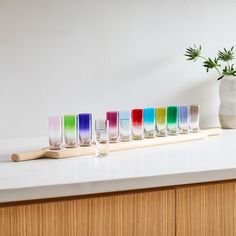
(183, 119)
(125, 125)
(194, 111)
(55, 132)
(137, 123)
(172, 120)
(85, 129)
(161, 121)
(70, 131)
(149, 122)
(113, 118)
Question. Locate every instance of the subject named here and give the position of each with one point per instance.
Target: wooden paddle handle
(25, 156)
(214, 131)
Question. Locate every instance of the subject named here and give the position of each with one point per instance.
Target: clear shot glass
(149, 122)
(194, 114)
(161, 121)
(172, 120)
(55, 132)
(183, 119)
(85, 129)
(102, 137)
(113, 118)
(137, 123)
(125, 125)
(70, 131)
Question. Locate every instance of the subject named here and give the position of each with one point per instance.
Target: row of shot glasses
(73, 130)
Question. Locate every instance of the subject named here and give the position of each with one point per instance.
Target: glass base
(125, 138)
(149, 134)
(113, 140)
(161, 133)
(85, 143)
(184, 131)
(71, 145)
(195, 130)
(137, 137)
(102, 148)
(173, 131)
(55, 147)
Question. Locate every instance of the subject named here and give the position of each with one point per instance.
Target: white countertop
(176, 164)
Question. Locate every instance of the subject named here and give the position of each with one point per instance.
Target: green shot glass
(161, 121)
(172, 120)
(70, 131)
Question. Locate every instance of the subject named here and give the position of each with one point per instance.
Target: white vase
(227, 112)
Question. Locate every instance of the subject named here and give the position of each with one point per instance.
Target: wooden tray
(91, 150)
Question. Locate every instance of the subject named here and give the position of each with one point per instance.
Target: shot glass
(149, 122)
(70, 131)
(137, 123)
(113, 118)
(125, 125)
(194, 112)
(172, 120)
(102, 137)
(55, 132)
(183, 119)
(161, 121)
(85, 129)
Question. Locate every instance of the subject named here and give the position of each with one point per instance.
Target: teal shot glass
(149, 122)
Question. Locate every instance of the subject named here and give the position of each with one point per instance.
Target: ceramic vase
(227, 111)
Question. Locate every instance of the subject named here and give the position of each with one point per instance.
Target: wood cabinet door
(142, 213)
(206, 210)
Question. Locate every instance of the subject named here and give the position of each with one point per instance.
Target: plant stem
(203, 57)
(218, 70)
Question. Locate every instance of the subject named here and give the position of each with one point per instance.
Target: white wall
(71, 56)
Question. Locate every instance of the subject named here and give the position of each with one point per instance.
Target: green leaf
(226, 55)
(229, 70)
(211, 63)
(192, 53)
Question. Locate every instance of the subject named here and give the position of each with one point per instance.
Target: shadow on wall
(205, 93)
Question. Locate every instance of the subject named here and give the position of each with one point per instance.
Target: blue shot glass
(183, 119)
(125, 125)
(149, 122)
(85, 129)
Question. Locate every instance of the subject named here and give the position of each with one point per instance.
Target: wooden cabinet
(195, 210)
(139, 213)
(206, 210)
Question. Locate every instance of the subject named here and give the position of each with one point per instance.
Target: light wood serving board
(133, 144)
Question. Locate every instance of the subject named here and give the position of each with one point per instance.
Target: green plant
(225, 56)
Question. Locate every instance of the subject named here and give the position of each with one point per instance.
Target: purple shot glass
(183, 119)
(85, 129)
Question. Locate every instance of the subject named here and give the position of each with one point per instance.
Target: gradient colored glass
(125, 125)
(55, 132)
(113, 118)
(194, 114)
(183, 119)
(102, 137)
(85, 129)
(137, 123)
(172, 120)
(70, 130)
(161, 121)
(149, 122)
